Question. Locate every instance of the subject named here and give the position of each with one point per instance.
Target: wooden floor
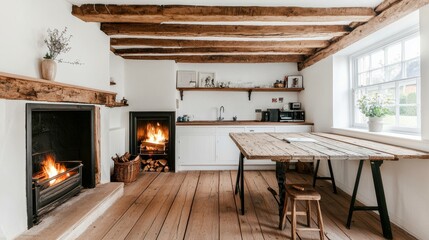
(202, 205)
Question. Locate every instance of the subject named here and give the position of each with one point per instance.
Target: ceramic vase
(49, 69)
(375, 124)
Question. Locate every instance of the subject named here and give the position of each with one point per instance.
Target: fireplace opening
(60, 155)
(152, 137)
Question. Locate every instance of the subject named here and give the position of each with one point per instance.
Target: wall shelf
(19, 87)
(249, 90)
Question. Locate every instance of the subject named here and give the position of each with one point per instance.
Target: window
(392, 70)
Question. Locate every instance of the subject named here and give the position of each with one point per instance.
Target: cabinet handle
(252, 130)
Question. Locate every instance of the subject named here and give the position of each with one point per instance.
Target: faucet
(220, 113)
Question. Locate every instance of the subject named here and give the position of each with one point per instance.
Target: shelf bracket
(181, 94)
(250, 94)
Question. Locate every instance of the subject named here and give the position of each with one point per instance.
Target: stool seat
(308, 192)
(301, 192)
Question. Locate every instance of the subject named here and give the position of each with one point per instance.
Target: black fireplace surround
(67, 132)
(169, 118)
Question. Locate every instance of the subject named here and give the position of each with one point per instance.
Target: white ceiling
(297, 3)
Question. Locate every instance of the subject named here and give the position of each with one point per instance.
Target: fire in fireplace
(55, 183)
(152, 137)
(60, 155)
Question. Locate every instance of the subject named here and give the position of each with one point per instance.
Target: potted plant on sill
(57, 43)
(375, 109)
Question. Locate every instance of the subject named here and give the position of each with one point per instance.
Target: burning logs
(151, 165)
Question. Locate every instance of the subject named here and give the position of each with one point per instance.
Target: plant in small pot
(57, 43)
(375, 109)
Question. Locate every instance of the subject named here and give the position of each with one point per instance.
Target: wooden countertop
(241, 122)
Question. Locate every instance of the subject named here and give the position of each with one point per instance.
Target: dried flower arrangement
(57, 43)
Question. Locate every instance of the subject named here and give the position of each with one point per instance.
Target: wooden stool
(302, 192)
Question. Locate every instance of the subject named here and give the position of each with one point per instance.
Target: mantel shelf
(249, 90)
(32, 89)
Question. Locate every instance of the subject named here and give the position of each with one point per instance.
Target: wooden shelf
(116, 104)
(19, 87)
(249, 90)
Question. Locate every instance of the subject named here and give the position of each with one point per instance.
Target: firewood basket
(128, 171)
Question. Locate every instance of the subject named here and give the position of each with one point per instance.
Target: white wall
(317, 96)
(405, 182)
(205, 105)
(23, 25)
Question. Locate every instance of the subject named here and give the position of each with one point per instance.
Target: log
(163, 162)
(166, 169)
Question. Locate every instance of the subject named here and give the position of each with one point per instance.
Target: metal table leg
(239, 183)
(281, 180)
(381, 199)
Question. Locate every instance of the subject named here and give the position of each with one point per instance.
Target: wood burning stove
(152, 136)
(60, 155)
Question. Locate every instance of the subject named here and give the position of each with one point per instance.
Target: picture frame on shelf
(206, 80)
(186, 79)
(295, 81)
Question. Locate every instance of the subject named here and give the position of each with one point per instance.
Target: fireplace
(60, 155)
(152, 136)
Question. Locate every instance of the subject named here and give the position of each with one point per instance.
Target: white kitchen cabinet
(211, 148)
(260, 129)
(226, 150)
(196, 146)
(294, 129)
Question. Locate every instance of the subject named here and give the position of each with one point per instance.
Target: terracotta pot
(49, 69)
(375, 124)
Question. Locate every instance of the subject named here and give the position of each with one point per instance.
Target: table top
(318, 146)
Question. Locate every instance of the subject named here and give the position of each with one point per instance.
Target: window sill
(409, 141)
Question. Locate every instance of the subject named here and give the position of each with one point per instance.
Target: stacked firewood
(151, 165)
(122, 159)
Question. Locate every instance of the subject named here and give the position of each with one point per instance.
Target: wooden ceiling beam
(222, 58)
(208, 50)
(388, 16)
(209, 43)
(180, 30)
(183, 13)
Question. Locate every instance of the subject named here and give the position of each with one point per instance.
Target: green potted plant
(375, 109)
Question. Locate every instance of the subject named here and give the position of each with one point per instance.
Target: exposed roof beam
(223, 30)
(388, 16)
(384, 5)
(210, 43)
(222, 58)
(183, 13)
(209, 50)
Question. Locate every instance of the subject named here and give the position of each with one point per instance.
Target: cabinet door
(196, 146)
(260, 129)
(294, 129)
(226, 150)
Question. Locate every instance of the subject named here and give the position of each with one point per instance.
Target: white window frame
(354, 82)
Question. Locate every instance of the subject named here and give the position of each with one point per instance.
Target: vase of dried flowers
(49, 69)
(57, 43)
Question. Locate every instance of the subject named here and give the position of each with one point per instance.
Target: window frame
(354, 81)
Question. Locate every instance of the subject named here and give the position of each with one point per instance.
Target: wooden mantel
(32, 89)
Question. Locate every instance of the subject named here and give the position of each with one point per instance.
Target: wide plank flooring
(202, 205)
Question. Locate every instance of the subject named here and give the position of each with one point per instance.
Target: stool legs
(320, 221)
(283, 222)
(308, 213)
(293, 214)
(293, 218)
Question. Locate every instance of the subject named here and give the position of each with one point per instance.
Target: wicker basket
(127, 172)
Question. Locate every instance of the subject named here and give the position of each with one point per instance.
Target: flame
(50, 168)
(155, 134)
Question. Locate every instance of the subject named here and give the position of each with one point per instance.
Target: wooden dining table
(288, 147)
